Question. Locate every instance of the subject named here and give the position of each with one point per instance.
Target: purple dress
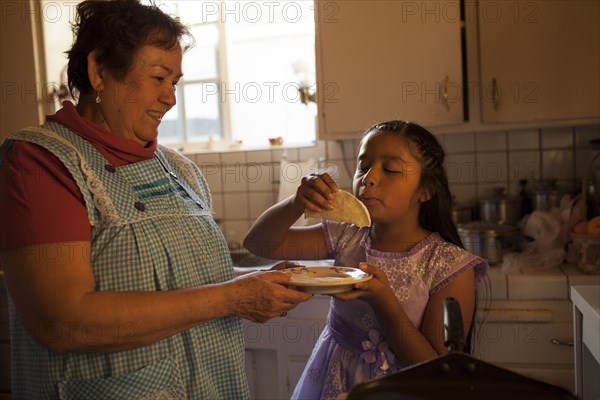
(351, 348)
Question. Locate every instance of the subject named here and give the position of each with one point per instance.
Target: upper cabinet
(382, 60)
(540, 60)
(457, 65)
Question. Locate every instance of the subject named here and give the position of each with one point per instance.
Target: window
(242, 77)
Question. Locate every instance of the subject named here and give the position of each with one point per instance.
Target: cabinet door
(382, 60)
(540, 60)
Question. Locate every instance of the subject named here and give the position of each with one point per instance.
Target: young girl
(412, 249)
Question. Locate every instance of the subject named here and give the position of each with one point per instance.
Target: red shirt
(39, 199)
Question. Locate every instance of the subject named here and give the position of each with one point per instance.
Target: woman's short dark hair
(435, 214)
(116, 30)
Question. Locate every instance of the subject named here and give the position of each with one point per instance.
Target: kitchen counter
(537, 284)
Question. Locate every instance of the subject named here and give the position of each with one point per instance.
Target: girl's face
(387, 179)
(134, 107)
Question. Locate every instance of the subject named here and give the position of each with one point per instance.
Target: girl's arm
(410, 344)
(55, 295)
(272, 235)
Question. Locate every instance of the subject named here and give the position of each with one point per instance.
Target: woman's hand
(284, 265)
(315, 192)
(376, 290)
(260, 296)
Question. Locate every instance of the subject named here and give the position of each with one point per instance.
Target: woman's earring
(98, 98)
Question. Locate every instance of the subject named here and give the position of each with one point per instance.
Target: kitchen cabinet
(586, 313)
(278, 350)
(532, 338)
(457, 66)
(525, 322)
(382, 60)
(540, 60)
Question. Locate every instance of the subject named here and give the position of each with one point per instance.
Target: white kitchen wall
(243, 184)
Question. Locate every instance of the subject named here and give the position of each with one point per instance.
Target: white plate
(326, 279)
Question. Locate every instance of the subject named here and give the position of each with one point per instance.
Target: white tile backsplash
(217, 205)
(262, 156)
(524, 165)
(583, 135)
(236, 206)
(235, 230)
(558, 164)
(212, 174)
(491, 141)
(490, 190)
(260, 177)
(243, 184)
(492, 168)
(289, 154)
(342, 149)
(344, 172)
(459, 143)
(583, 157)
(209, 158)
(259, 202)
(235, 157)
(557, 138)
(335, 151)
(234, 177)
(316, 153)
(464, 193)
(461, 168)
(524, 139)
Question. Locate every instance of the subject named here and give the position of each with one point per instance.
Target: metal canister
(500, 209)
(486, 239)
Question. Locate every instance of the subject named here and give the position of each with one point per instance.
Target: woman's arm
(272, 236)
(410, 344)
(54, 291)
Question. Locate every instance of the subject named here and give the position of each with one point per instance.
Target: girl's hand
(315, 193)
(375, 290)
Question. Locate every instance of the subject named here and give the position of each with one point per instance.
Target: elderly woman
(120, 281)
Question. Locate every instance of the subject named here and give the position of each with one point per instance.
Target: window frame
(226, 141)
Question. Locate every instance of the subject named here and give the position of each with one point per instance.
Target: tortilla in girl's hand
(346, 208)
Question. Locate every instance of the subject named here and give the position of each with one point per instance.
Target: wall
(243, 184)
(21, 67)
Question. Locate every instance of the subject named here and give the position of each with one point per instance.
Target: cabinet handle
(561, 343)
(495, 94)
(444, 90)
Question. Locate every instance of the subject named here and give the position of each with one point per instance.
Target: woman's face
(387, 179)
(133, 107)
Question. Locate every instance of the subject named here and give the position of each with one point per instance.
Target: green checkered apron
(152, 230)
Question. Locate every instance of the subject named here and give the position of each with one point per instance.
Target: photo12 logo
(21, 11)
(450, 92)
(254, 12)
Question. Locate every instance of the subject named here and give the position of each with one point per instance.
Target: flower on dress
(314, 374)
(376, 351)
(367, 321)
